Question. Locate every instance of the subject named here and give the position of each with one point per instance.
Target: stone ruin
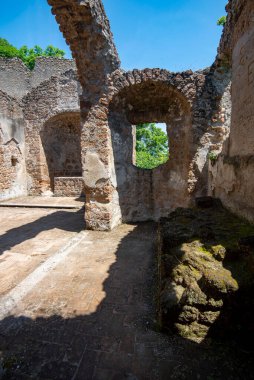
(68, 129)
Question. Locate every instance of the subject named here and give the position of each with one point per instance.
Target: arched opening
(62, 150)
(148, 194)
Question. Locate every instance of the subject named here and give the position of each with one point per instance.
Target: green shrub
(7, 50)
(213, 157)
(222, 21)
(28, 56)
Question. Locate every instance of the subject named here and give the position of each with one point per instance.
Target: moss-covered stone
(218, 281)
(204, 266)
(189, 314)
(219, 252)
(194, 331)
(209, 317)
(193, 296)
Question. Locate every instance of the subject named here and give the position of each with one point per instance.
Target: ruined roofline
(234, 10)
(40, 63)
(159, 71)
(18, 81)
(79, 21)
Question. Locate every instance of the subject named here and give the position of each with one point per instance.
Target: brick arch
(181, 84)
(150, 98)
(86, 29)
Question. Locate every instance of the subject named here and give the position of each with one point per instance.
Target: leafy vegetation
(213, 157)
(222, 21)
(28, 56)
(151, 146)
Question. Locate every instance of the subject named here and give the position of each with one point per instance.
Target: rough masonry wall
(50, 89)
(68, 187)
(197, 124)
(12, 148)
(232, 176)
(60, 139)
(55, 98)
(87, 31)
(17, 80)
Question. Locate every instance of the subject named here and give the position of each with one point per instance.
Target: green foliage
(52, 51)
(212, 156)
(151, 146)
(7, 50)
(222, 21)
(28, 56)
(144, 160)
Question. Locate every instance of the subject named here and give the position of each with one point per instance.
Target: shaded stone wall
(232, 176)
(60, 139)
(58, 95)
(49, 90)
(12, 148)
(148, 96)
(190, 104)
(61, 143)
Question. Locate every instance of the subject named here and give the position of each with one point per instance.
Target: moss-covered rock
(204, 264)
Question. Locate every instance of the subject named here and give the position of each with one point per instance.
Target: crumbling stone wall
(49, 90)
(206, 274)
(232, 175)
(115, 189)
(12, 148)
(17, 80)
(86, 29)
(151, 96)
(60, 139)
(55, 96)
(188, 103)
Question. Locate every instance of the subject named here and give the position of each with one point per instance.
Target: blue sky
(171, 34)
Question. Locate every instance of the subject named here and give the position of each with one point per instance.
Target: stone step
(25, 205)
(44, 202)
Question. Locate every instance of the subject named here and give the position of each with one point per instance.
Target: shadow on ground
(63, 220)
(119, 340)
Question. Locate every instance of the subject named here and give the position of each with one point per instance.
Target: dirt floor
(78, 304)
